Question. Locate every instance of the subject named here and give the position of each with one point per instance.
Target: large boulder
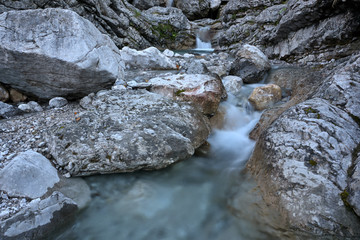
(250, 64)
(54, 52)
(194, 9)
(170, 28)
(205, 91)
(124, 131)
(301, 163)
(150, 58)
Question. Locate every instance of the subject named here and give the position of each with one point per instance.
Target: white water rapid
(203, 40)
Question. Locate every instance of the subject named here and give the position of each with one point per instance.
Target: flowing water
(169, 3)
(203, 40)
(200, 198)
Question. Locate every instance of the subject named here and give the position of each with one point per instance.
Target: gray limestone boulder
(301, 163)
(28, 175)
(55, 52)
(124, 131)
(250, 64)
(39, 219)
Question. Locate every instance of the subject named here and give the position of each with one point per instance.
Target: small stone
(265, 96)
(168, 53)
(57, 102)
(16, 96)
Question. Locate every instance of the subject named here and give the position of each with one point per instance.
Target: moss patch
(165, 31)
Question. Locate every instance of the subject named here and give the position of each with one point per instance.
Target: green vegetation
(344, 196)
(178, 92)
(313, 162)
(165, 31)
(311, 110)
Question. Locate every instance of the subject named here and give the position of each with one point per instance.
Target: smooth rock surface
(57, 102)
(124, 131)
(250, 64)
(29, 175)
(205, 91)
(265, 96)
(39, 219)
(150, 58)
(55, 52)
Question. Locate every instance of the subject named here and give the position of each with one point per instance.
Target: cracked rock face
(124, 131)
(54, 52)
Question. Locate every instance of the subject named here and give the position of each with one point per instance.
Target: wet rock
(39, 219)
(124, 131)
(30, 107)
(58, 53)
(4, 94)
(28, 175)
(7, 110)
(17, 96)
(301, 163)
(194, 9)
(265, 96)
(251, 64)
(57, 102)
(232, 84)
(205, 91)
(150, 58)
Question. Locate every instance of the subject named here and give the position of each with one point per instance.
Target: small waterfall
(203, 39)
(169, 3)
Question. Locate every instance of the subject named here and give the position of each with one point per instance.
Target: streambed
(200, 198)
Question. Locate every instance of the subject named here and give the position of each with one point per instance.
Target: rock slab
(54, 52)
(124, 131)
